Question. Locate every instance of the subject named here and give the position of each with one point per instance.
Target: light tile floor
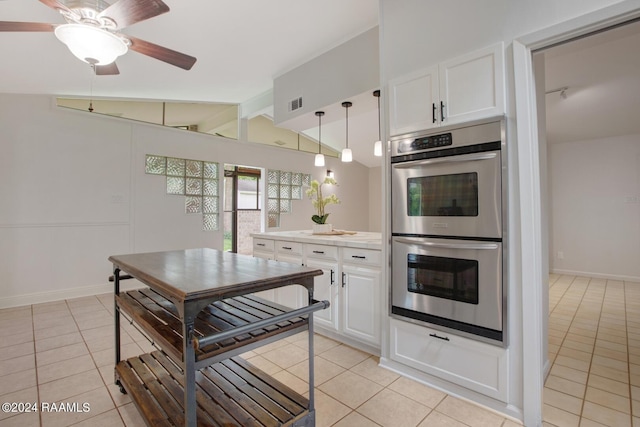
(594, 348)
(63, 352)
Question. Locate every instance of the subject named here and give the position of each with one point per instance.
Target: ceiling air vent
(295, 104)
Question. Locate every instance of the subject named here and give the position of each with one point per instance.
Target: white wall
(595, 207)
(376, 192)
(345, 71)
(74, 191)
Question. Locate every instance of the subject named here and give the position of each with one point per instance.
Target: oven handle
(421, 242)
(450, 159)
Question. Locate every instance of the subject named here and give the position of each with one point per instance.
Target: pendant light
(319, 157)
(347, 155)
(377, 146)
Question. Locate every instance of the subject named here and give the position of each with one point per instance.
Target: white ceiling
(241, 45)
(602, 73)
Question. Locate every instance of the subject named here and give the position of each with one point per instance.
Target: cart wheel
(122, 390)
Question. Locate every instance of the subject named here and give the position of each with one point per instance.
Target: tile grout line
(584, 399)
(35, 362)
(626, 329)
(564, 294)
(84, 341)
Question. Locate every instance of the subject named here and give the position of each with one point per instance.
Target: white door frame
(529, 188)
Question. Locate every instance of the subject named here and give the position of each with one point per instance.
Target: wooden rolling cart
(199, 310)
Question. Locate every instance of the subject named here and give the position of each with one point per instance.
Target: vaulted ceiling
(240, 47)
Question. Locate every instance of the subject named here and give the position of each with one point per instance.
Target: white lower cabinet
(326, 286)
(477, 366)
(292, 296)
(351, 282)
(360, 295)
(264, 248)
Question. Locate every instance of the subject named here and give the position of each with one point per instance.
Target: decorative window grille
(196, 180)
(282, 188)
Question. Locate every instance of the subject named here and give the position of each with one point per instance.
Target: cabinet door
(361, 301)
(264, 249)
(293, 296)
(326, 288)
(469, 363)
(412, 98)
(472, 85)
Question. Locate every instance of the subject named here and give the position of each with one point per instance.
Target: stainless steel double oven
(448, 198)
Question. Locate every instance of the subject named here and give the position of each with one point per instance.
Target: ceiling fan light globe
(91, 44)
(347, 155)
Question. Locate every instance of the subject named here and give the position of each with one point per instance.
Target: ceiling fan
(92, 31)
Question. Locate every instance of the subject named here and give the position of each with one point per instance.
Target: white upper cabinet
(465, 88)
(472, 86)
(412, 101)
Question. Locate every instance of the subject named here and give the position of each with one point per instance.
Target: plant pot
(322, 228)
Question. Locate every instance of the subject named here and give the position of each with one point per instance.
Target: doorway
(589, 89)
(532, 249)
(242, 207)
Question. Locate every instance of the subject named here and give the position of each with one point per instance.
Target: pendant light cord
(319, 114)
(319, 133)
(379, 128)
(347, 120)
(346, 106)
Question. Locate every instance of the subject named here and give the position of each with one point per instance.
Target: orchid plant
(319, 201)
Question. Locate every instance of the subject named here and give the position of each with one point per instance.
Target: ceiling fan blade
(107, 70)
(25, 26)
(55, 4)
(128, 12)
(162, 53)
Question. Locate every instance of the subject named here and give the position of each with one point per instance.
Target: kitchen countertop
(360, 240)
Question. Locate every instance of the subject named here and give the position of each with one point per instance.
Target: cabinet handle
(333, 277)
(260, 244)
(434, 112)
(344, 279)
(286, 247)
(358, 256)
(318, 252)
(439, 337)
(441, 111)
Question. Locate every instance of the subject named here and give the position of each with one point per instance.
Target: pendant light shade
(347, 155)
(319, 160)
(377, 149)
(377, 146)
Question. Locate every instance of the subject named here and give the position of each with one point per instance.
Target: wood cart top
(197, 274)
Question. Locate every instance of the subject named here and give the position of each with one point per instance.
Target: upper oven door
(455, 196)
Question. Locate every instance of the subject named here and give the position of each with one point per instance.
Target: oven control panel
(425, 143)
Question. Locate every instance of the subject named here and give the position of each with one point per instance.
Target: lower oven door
(451, 283)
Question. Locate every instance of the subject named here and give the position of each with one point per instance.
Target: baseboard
(596, 275)
(503, 409)
(367, 348)
(63, 294)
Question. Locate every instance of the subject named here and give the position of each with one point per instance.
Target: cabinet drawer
(262, 245)
(321, 252)
(283, 247)
(362, 257)
(478, 366)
